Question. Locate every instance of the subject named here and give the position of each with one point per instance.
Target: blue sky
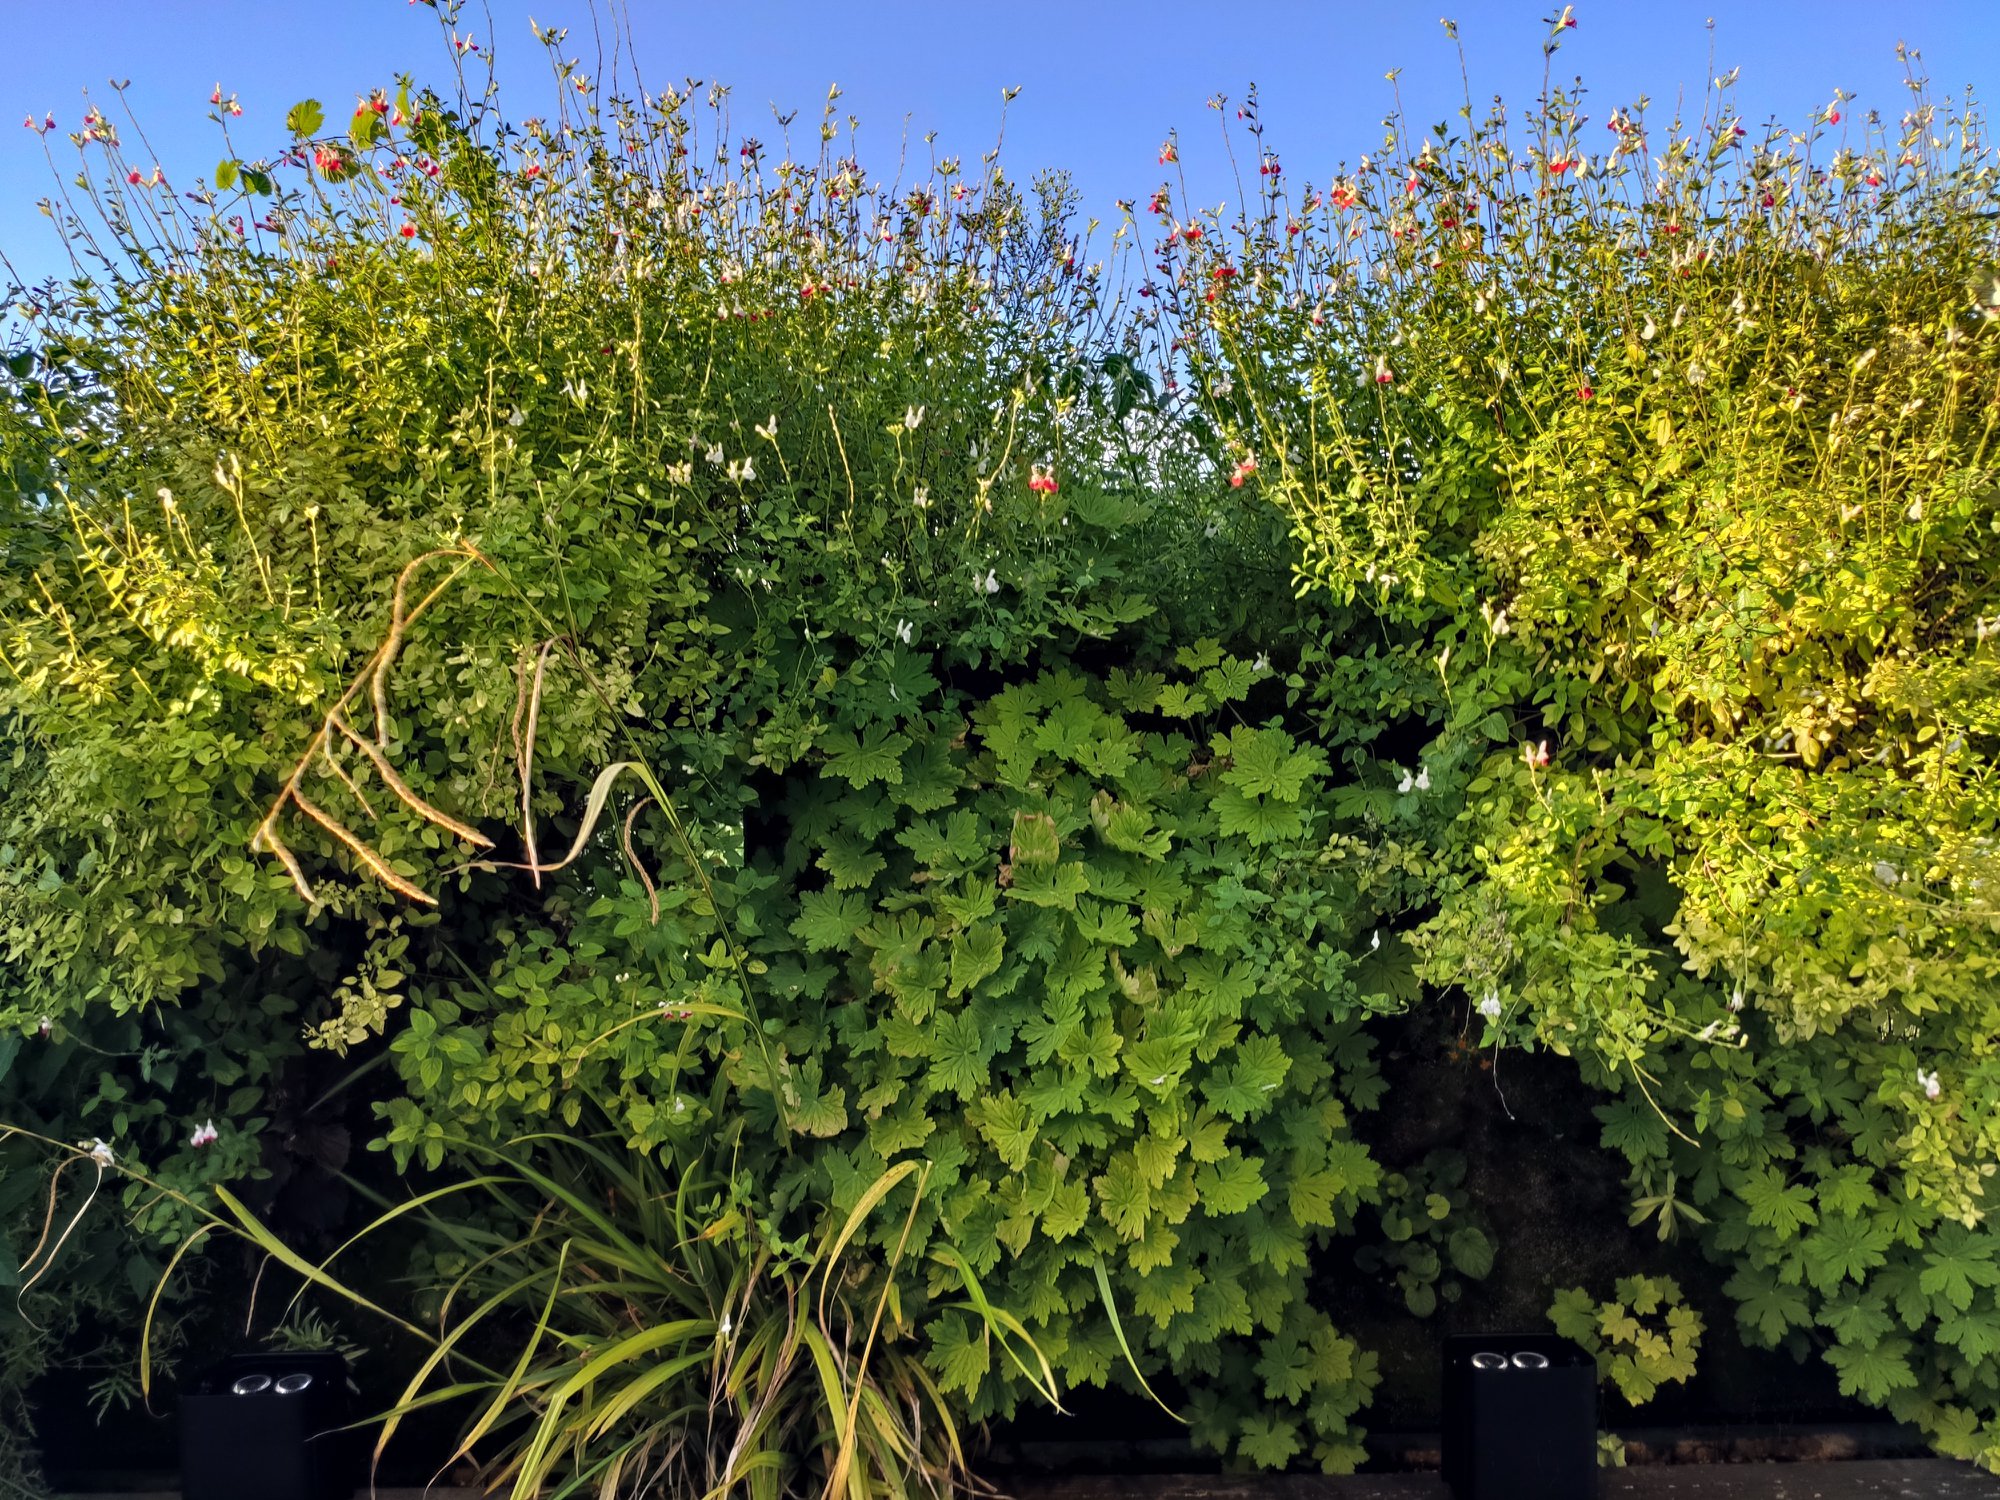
(1101, 82)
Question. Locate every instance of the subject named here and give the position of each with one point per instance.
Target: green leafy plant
(604, 614)
(614, 1321)
(1644, 1336)
(1428, 1234)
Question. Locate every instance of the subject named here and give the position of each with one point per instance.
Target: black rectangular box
(264, 1427)
(1520, 1418)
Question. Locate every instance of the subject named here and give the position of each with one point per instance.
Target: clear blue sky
(1101, 81)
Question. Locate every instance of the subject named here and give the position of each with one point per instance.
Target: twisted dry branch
(336, 727)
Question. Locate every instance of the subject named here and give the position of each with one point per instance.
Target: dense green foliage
(596, 609)
(1670, 474)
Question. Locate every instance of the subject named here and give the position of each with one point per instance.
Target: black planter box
(264, 1427)
(1520, 1418)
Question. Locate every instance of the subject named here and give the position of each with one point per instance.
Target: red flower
(1833, 117)
(1584, 393)
(1223, 273)
(533, 169)
(1874, 179)
(1343, 196)
(133, 176)
(408, 231)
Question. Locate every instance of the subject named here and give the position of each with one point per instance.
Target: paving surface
(1858, 1479)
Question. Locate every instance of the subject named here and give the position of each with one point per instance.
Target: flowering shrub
(596, 608)
(957, 814)
(1664, 461)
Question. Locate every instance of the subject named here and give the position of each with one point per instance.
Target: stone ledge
(1858, 1479)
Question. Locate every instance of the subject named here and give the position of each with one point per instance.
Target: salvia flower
(1928, 1082)
(1536, 755)
(205, 1134)
(1489, 1004)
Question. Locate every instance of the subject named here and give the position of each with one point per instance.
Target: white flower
(1424, 779)
(516, 418)
(742, 473)
(913, 417)
(1262, 664)
(922, 499)
(1375, 940)
(724, 1327)
(1496, 619)
(769, 430)
(205, 1134)
(1406, 783)
(1650, 329)
(714, 455)
(1886, 872)
(991, 583)
(577, 390)
(45, 1027)
(101, 1154)
(1697, 374)
(1929, 1083)
(1736, 998)
(906, 632)
(1490, 1006)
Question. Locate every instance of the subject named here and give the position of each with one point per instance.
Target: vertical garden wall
(838, 773)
